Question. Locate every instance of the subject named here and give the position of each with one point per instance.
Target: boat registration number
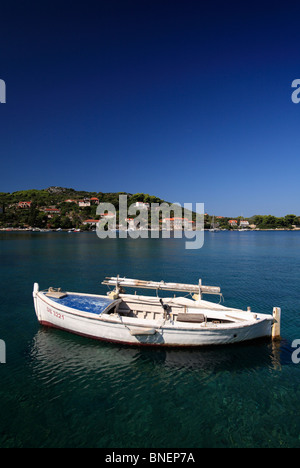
(55, 314)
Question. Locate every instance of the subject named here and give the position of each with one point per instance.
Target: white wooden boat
(149, 320)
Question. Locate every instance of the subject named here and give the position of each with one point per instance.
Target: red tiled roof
(173, 219)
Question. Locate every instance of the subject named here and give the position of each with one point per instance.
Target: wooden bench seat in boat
(194, 318)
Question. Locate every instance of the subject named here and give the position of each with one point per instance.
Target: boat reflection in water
(54, 351)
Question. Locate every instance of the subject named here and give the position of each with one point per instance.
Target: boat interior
(188, 308)
(191, 309)
(177, 309)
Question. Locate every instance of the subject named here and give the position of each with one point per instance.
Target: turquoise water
(61, 390)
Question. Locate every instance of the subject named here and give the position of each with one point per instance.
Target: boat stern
(276, 323)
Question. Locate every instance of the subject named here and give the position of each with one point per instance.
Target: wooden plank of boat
(142, 331)
(134, 283)
(239, 318)
(194, 318)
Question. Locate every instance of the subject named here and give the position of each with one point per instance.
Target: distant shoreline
(51, 231)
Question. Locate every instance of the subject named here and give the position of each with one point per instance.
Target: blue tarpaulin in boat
(94, 305)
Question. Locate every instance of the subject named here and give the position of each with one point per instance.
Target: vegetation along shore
(62, 208)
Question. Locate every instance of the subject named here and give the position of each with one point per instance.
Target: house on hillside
(25, 204)
(90, 222)
(233, 222)
(85, 202)
(244, 224)
(94, 201)
(176, 224)
(142, 205)
(131, 224)
(51, 212)
(108, 215)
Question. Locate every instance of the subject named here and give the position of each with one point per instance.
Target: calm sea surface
(60, 390)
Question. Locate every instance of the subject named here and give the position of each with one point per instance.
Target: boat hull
(132, 331)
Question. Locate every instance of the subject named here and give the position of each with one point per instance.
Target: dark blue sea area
(62, 390)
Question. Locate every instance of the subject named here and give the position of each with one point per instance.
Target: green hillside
(64, 214)
(66, 208)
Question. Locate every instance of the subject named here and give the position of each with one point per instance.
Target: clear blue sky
(186, 100)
